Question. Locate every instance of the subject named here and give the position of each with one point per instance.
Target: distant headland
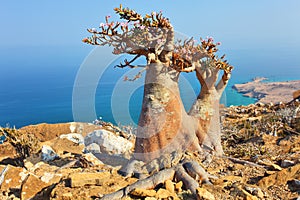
(266, 92)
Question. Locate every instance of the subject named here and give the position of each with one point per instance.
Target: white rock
(108, 142)
(48, 154)
(74, 137)
(93, 148)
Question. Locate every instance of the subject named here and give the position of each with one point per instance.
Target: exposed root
(148, 183)
(187, 180)
(159, 171)
(244, 162)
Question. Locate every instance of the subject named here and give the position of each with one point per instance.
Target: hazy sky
(41, 50)
(237, 24)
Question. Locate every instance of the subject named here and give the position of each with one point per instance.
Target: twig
(244, 162)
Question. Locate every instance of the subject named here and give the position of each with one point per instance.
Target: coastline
(266, 92)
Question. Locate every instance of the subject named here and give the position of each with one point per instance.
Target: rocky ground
(80, 160)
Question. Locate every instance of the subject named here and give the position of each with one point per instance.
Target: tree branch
(128, 63)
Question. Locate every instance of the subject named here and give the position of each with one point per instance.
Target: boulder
(48, 154)
(11, 177)
(33, 185)
(93, 148)
(109, 143)
(7, 150)
(64, 145)
(86, 178)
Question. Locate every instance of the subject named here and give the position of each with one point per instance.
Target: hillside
(261, 143)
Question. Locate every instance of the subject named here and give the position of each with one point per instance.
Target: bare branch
(128, 63)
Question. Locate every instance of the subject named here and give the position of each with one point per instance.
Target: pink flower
(218, 43)
(94, 30)
(108, 16)
(102, 24)
(142, 27)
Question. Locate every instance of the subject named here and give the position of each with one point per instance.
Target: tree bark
(206, 109)
(164, 125)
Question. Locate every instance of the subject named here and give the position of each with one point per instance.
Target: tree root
(148, 183)
(189, 172)
(244, 162)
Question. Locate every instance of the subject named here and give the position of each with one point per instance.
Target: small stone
(178, 186)
(255, 191)
(170, 186)
(287, 163)
(143, 192)
(163, 194)
(150, 198)
(204, 194)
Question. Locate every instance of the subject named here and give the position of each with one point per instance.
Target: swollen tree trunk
(206, 109)
(164, 125)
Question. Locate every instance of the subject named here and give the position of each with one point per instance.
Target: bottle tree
(164, 125)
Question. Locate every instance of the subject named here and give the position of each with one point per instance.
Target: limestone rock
(63, 145)
(178, 186)
(48, 154)
(108, 142)
(74, 137)
(169, 185)
(7, 151)
(82, 179)
(164, 194)
(32, 186)
(12, 178)
(204, 194)
(280, 177)
(143, 192)
(93, 159)
(93, 148)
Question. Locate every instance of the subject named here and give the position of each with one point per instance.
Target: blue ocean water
(37, 83)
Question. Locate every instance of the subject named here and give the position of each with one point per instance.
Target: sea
(40, 84)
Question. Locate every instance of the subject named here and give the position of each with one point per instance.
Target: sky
(40, 42)
(238, 24)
